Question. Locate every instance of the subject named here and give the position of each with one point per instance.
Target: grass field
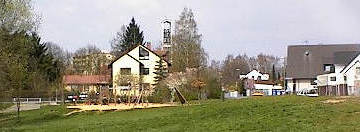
(285, 113)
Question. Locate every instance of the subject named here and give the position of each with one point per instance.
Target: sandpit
(333, 101)
(117, 107)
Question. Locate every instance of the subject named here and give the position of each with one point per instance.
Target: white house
(305, 62)
(344, 81)
(139, 62)
(255, 75)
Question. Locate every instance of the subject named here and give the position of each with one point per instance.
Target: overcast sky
(227, 26)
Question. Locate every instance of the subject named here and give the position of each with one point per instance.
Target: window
(143, 54)
(259, 78)
(125, 71)
(329, 68)
(332, 78)
(357, 70)
(312, 82)
(144, 71)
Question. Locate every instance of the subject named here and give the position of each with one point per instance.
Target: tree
(14, 57)
(160, 71)
(64, 60)
(118, 41)
(18, 15)
(233, 67)
(132, 36)
(273, 73)
(89, 60)
(265, 62)
(187, 51)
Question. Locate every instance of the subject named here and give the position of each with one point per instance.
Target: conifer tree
(161, 71)
(132, 36)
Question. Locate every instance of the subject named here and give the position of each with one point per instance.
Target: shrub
(161, 94)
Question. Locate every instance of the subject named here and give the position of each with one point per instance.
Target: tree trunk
(18, 108)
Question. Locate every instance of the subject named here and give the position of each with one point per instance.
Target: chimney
(148, 45)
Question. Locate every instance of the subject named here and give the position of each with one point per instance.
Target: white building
(135, 66)
(344, 81)
(255, 75)
(306, 62)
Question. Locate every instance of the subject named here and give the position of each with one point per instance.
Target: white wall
(267, 89)
(254, 74)
(128, 62)
(351, 75)
(300, 84)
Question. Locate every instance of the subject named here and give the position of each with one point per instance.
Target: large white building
(134, 69)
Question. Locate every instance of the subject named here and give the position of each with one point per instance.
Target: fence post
(39, 100)
(27, 100)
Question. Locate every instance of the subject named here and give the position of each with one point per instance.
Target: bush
(161, 94)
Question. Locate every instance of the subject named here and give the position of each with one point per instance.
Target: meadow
(281, 113)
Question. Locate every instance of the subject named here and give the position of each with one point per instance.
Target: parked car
(311, 92)
(258, 94)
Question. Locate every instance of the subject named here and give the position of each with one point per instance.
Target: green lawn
(286, 113)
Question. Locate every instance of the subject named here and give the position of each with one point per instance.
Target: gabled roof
(132, 48)
(86, 79)
(307, 61)
(351, 64)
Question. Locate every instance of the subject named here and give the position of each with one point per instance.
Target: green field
(286, 113)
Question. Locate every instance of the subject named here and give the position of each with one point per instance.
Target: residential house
(86, 83)
(255, 75)
(267, 88)
(306, 62)
(345, 80)
(139, 62)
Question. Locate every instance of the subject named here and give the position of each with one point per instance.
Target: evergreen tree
(273, 75)
(132, 36)
(161, 71)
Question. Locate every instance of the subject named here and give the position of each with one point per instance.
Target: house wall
(300, 84)
(267, 89)
(254, 75)
(151, 64)
(128, 62)
(81, 88)
(353, 79)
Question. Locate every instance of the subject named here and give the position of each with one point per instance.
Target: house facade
(86, 83)
(344, 81)
(306, 62)
(255, 75)
(134, 69)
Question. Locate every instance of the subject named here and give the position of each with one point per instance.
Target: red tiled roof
(86, 79)
(265, 82)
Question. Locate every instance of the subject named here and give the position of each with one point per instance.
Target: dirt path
(23, 107)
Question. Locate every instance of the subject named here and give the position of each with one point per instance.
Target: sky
(228, 26)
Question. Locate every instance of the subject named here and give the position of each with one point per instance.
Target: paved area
(23, 107)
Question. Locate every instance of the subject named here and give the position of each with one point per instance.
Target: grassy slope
(258, 114)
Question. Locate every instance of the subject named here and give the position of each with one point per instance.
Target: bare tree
(187, 51)
(117, 41)
(18, 15)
